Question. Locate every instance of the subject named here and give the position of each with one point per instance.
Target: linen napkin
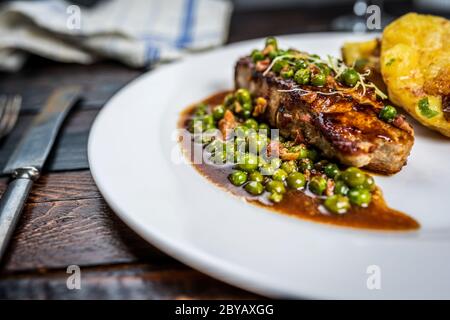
(137, 33)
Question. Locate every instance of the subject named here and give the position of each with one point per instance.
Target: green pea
(254, 187)
(247, 106)
(350, 77)
(353, 177)
(301, 64)
(305, 164)
(302, 76)
(279, 175)
(243, 96)
(289, 166)
(275, 197)
(337, 204)
(287, 74)
(388, 113)
(208, 120)
(301, 150)
(238, 178)
(360, 197)
(255, 176)
(318, 79)
(341, 188)
(249, 162)
(257, 55)
(296, 180)
(369, 183)
(271, 41)
(218, 112)
(317, 185)
(251, 124)
(275, 186)
(331, 170)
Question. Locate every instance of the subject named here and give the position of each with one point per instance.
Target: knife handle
(12, 203)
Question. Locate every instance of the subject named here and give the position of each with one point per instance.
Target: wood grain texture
(82, 232)
(62, 186)
(139, 281)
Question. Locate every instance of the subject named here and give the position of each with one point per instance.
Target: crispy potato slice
(415, 65)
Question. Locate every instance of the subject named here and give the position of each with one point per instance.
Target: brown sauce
(296, 203)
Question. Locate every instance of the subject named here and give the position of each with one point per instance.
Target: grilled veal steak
(344, 126)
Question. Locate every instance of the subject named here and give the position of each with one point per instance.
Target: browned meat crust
(344, 127)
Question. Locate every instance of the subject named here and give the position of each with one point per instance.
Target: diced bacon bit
(262, 65)
(285, 154)
(329, 191)
(401, 123)
(227, 124)
(273, 148)
(260, 107)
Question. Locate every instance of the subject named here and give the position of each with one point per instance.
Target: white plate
(131, 151)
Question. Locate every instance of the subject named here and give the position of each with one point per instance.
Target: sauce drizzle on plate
(297, 203)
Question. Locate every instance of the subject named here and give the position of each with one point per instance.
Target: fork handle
(12, 203)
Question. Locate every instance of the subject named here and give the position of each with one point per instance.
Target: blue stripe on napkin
(185, 37)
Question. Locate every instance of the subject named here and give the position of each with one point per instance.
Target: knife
(28, 158)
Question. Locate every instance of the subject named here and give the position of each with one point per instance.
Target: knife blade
(28, 159)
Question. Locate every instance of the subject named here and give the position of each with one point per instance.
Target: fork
(9, 112)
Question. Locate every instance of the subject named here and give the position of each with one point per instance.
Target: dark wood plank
(39, 78)
(121, 282)
(70, 149)
(62, 186)
(82, 232)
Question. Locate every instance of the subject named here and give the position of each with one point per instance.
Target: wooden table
(67, 222)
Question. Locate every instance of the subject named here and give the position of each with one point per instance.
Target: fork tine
(8, 114)
(3, 109)
(14, 113)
